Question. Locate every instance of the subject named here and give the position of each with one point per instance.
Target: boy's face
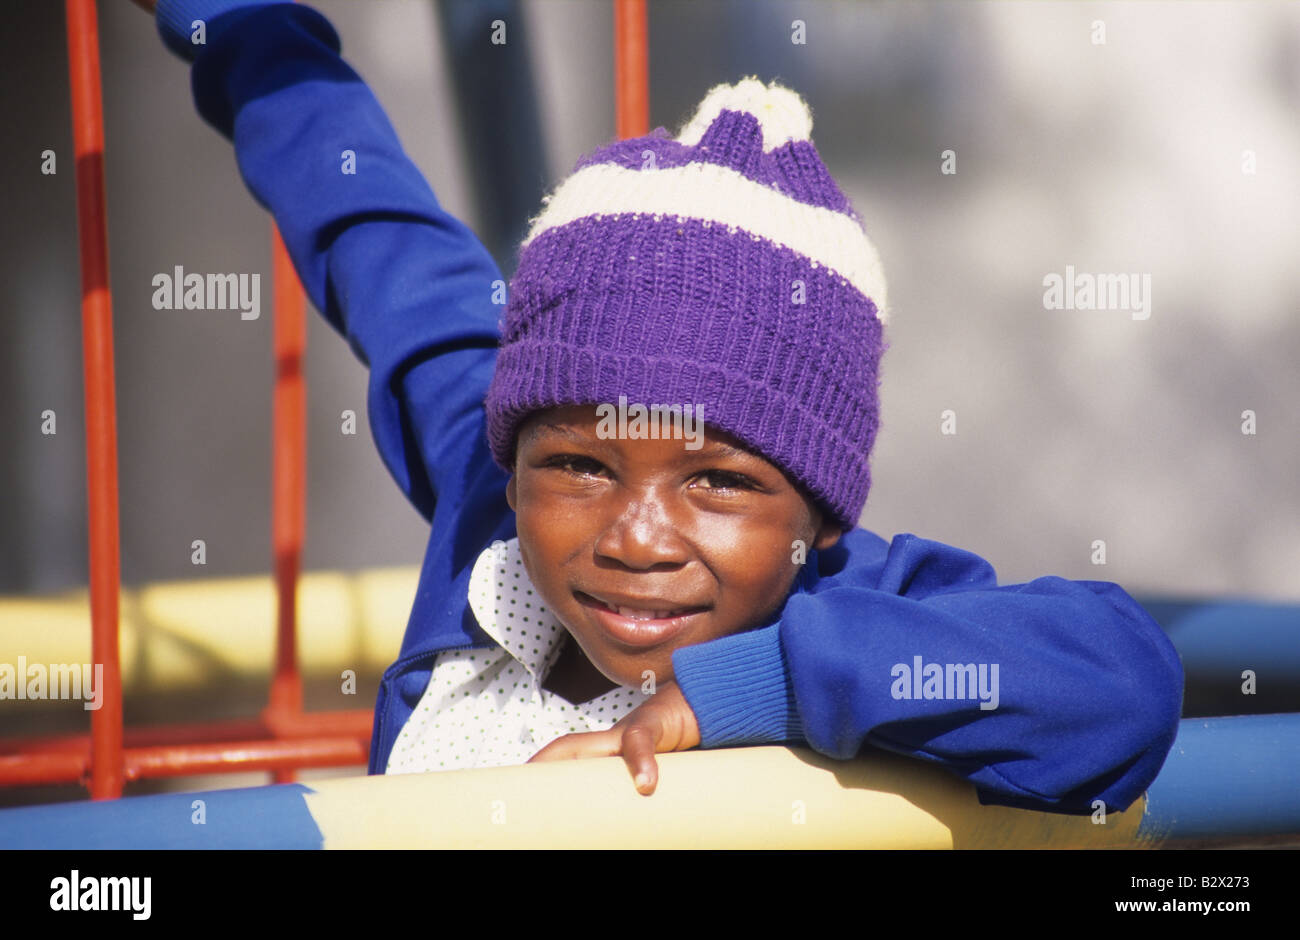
(705, 536)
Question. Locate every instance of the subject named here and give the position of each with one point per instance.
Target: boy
(587, 592)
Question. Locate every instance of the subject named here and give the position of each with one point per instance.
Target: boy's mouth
(639, 622)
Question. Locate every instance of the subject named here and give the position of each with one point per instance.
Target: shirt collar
(510, 610)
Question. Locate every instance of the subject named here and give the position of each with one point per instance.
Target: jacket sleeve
(408, 285)
(1059, 692)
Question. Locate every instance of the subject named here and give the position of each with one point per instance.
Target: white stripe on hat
(721, 196)
(781, 113)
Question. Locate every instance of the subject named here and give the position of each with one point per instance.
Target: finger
(639, 742)
(586, 744)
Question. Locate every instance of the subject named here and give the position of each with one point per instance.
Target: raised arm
(1076, 693)
(409, 286)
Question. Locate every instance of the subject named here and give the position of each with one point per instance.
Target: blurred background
(1122, 156)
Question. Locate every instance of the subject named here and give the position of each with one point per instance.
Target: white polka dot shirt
(487, 707)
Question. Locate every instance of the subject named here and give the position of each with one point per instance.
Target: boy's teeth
(634, 614)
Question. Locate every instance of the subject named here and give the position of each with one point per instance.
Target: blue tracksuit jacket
(1089, 687)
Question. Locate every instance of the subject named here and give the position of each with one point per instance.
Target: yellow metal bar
(764, 797)
(190, 634)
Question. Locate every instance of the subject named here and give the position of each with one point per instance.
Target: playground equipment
(1227, 781)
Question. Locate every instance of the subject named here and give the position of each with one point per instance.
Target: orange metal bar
(180, 761)
(68, 765)
(138, 737)
(631, 69)
(241, 756)
(288, 476)
(101, 405)
(352, 723)
(34, 769)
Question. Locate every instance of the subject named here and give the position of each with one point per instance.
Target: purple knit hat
(722, 268)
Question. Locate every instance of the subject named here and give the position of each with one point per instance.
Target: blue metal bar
(1219, 639)
(1227, 778)
(272, 817)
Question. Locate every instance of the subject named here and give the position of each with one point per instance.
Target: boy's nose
(642, 534)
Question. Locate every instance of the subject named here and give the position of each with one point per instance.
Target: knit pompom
(781, 113)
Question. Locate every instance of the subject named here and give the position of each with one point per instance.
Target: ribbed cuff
(740, 689)
(175, 19)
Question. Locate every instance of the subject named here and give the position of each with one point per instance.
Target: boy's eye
(576, 464)
(726, 480)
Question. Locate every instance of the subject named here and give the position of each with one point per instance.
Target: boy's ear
(511, 493)
(827, 534)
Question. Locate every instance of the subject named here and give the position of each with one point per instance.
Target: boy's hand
(664, 722)
(147, 5)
